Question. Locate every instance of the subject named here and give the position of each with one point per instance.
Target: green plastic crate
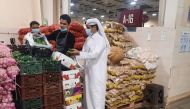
(51, 66)
(32, 67)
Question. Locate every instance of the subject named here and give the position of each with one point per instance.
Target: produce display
(127, 77)
(21, 58)
(75, 28)
(44, 29)
(31, 65)
(40, 41)
(78, 31)
(8, 72)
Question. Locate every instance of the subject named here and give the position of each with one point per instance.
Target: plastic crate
(32, 67)
(36, 103)
(51, 66)
(31, 80)
(51, 77)
(31, 92)
(41, 52)
(53, 99)
(52, 88)
(56, 106)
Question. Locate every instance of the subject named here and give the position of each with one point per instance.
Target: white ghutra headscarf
(94, 21)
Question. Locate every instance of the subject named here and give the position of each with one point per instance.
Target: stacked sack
(127, 77)
(72, 95)
(8, 72)
(78, 31)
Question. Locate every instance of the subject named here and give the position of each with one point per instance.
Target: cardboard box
(72, 92)
(73, 83)
(71, 74)
(72, 100)
(65, 60)
(74, 106)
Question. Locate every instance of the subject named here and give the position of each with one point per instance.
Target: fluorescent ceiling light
(72, 4)
(72, 13)
(102, 16)
(144, 12)
(83, 18)
(154, 14)
(94, 9)
(133, 3)
(135, 0)
(102, 22)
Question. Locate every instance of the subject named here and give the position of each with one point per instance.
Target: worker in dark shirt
(64, 39)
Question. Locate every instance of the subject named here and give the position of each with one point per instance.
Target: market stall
(42, 83)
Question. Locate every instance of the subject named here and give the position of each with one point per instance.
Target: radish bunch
(8, 72)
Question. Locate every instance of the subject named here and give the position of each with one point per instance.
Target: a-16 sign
(132, 18)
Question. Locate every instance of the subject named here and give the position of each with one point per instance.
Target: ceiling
(110, 8)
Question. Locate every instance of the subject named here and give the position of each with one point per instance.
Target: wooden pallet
(129, 106)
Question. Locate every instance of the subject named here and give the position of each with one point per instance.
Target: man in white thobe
(95, 53)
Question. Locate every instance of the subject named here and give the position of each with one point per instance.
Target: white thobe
(95, 55)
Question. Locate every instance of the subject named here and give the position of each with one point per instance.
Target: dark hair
(66, 17)
(95, 26)
(33, 23)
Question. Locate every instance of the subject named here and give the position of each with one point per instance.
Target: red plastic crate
(52, 88)
(31, 92)
(51, 77)
(30, 80)
(53, 99)
(55, 106)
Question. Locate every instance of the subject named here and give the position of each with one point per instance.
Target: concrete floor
(181, 104)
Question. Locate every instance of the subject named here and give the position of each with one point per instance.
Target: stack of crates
(31, 67)
(31, 91)
(52, 90)
(72, 95)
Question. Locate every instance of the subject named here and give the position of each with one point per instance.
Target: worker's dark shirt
(64, 40)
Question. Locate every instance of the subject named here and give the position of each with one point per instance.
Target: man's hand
(73, 52)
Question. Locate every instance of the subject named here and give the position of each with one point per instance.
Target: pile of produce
(40, 40)
(8, 72)
(44, 29)
(127, 76)
(78, 31)
(35, 65)
(75, 28)
(20, 58)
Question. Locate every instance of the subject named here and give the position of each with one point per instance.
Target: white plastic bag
(144, 55)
